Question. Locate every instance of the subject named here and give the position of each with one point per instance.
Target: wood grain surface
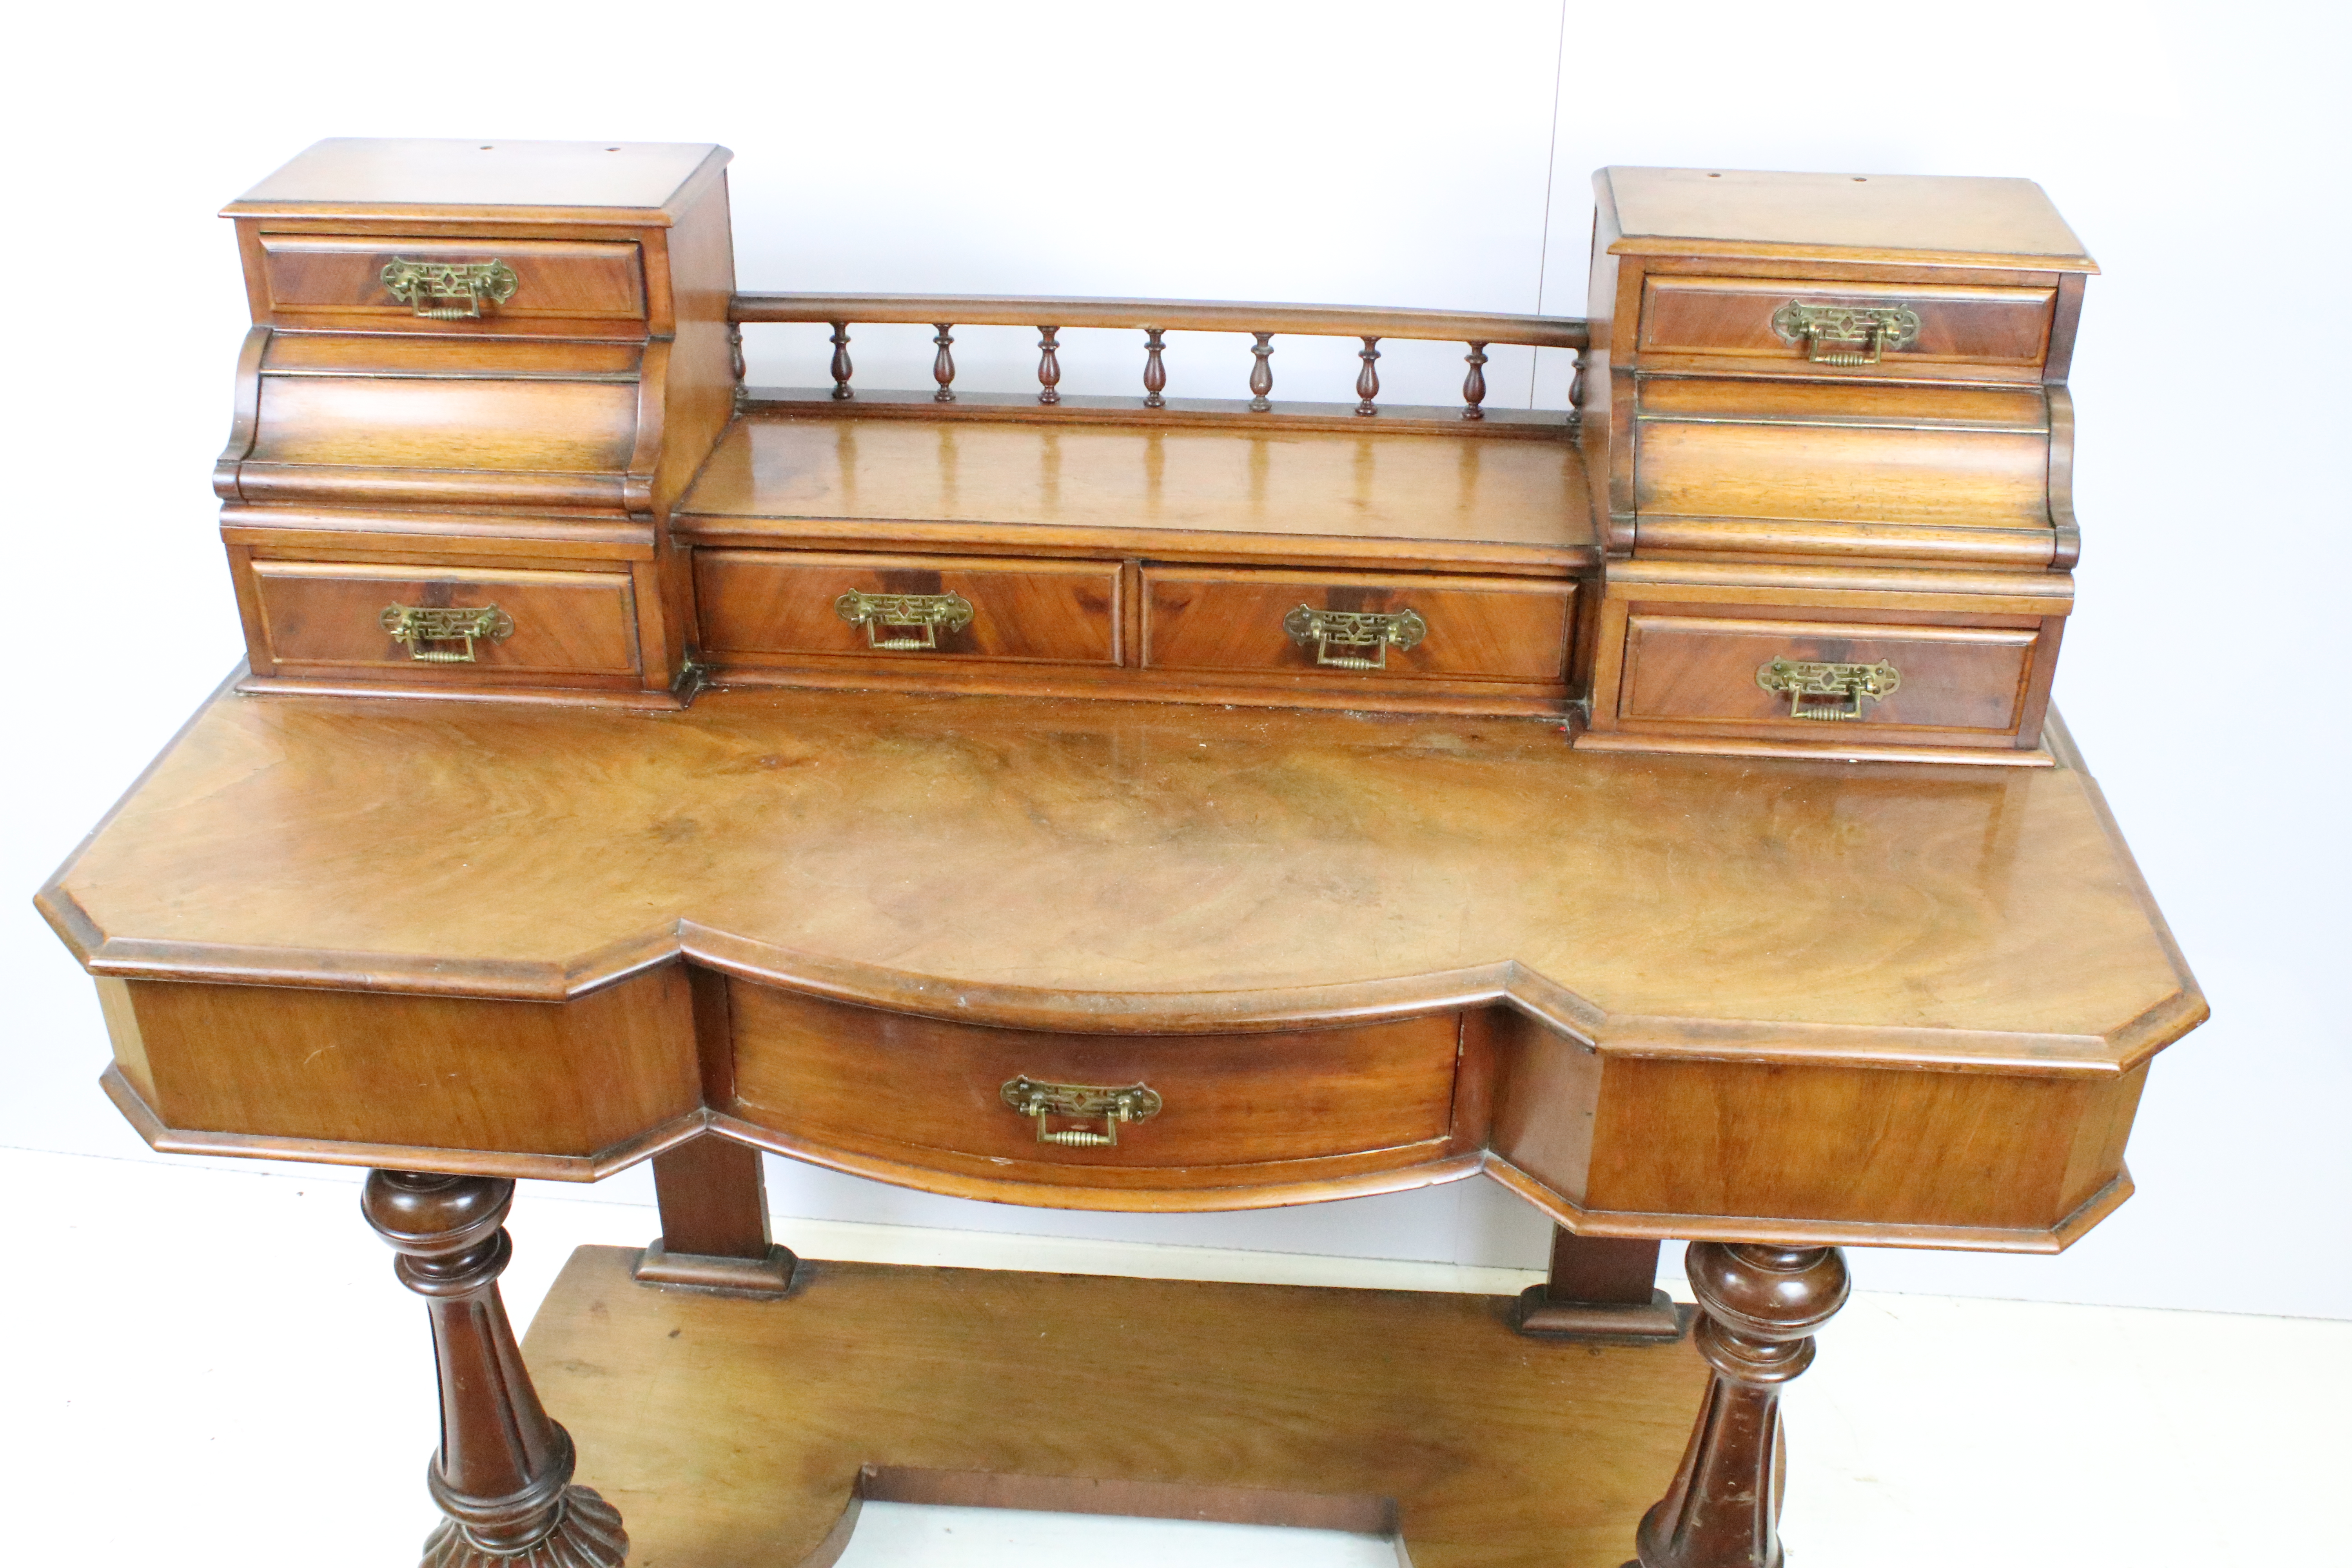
(1115, 868)
(1087, 479)
(1734, 316)
(732, 1432)
(425, 1072)
(858, 1078)
(1875, 218)
(757, 603)
(343, 275)
(320, 616)
(431, 179)
(1969, 678)
(1480, 628)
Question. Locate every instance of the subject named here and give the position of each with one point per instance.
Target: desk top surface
(1520, 495)
(1107, 866)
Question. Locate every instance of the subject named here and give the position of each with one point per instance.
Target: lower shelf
(734, 1432)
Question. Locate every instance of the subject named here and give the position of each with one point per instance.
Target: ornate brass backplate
(912, 620)
(449, 290)
(1375, 632)
(417, 625)
(1081, 1102)
(1849, 685)
(1846, 334)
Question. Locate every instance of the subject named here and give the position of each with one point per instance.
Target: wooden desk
(1776, 1005)
(1042, 882)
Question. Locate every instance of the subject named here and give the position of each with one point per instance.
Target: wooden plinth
(737, 1432)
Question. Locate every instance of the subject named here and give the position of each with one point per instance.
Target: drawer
(758, 603)
(333, 616)
(1695, 668)
(1760, 319)
(344, 276)
(1389, 627)
(853, 1077)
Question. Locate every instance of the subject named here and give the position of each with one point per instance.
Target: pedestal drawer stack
(478, 375)
(1836, 433)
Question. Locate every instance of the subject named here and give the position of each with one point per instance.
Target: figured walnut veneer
(1698, 996)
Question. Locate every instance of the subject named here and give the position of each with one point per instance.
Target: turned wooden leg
(714, 1215)
(1602, 1288)
(1759, 1306)
(504, 1471)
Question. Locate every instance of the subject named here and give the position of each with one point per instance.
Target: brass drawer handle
(417, 625)
(1084, 1102)
(449, 290)
(1805, 682)
(1370, 630)
(1846, 334)
(913, 620)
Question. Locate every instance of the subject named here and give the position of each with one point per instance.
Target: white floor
(216, 1366)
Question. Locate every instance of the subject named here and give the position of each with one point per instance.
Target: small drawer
(1795, 322)
(785, 604)
(853, 1077)
(1387, 626)
(450, 284)
(1810, 679)
(344, 618)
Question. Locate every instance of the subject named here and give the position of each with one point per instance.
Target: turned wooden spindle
(1474, 385)
(1368, 379)
(1155, 375)
(1261, 373)
(735, 363)
(1049, 364)
(1576, 383)
(943, 366)
(841, 365)
(1760, 1306)
(503, 1474)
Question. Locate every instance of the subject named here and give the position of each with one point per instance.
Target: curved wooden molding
(1808, 1232)
(1142, 1012)
(400, 1157)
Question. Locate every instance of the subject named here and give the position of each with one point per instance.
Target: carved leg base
(1654, 1321)
(1761, 1306)
(503, 1473)
(768, 1276)
(714, 1213)
(1601, 1289)
(587, 1534)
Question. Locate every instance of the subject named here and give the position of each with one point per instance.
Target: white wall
(1364, 152)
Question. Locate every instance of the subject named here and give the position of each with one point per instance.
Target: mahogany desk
(1773, 1005)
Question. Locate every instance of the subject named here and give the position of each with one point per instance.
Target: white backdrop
(1359, 153)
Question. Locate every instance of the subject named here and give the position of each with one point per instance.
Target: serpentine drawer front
(767, 605)
(438, 284)
(1807, 675)
(834, 1077)
(1845, 325)
(343, 618)
(1386, 625)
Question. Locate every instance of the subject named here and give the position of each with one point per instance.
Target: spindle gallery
(1649, 803)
